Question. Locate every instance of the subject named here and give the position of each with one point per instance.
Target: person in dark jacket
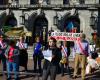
(12, 59)
(23, 56)
(3, 46)
(50, 66)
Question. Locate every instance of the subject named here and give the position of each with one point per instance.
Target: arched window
(2, 2)
(81, 1)
(33, 1)
(65, 1)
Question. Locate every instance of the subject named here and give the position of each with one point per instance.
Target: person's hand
(53, 56)
(90, 57)
(10, 57)
(6, 56)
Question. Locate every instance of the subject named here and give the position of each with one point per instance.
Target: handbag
(64, 59)
(41, 55)
(94, 54)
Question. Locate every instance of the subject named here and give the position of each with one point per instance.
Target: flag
(70, 27)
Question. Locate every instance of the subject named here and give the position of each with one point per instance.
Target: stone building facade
(42, 16)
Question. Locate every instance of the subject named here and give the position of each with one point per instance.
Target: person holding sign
(64, 60)
(52, 57)
(81, 49)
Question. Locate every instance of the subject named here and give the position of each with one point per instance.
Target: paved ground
(32, 76)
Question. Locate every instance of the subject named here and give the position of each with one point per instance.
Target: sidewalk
(33, 76)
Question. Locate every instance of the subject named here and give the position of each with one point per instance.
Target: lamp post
(93, 21)
(44, 33)
(50, 31)
(93, 24)
(23, 18)
(55, 19)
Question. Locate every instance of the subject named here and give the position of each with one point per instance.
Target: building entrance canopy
(16, 32)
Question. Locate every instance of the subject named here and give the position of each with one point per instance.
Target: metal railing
(52, 6)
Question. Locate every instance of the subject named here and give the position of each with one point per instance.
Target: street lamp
(93, 21)
(44, 33)
(23, 18)
(93, 24)
(50, 31)
(55, 19)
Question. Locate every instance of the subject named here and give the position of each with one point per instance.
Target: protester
(37, 54)
(52, 57)
(93, 50)
(23, 57)
(91, 62)
(3, 46)
(64, 60)
(12, 56)
(92, 65)
(81, 52)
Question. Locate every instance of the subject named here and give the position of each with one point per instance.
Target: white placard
(47, 54)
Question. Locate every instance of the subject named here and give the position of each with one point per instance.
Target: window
(81, 1)
(33, 1)
(3, 2)
(48, 1)
(65, 1)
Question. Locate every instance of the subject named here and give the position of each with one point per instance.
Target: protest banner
(65, 36)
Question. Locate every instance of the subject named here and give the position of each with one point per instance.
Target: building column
(98, 25)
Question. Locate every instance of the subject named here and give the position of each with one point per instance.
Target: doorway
(40, 29)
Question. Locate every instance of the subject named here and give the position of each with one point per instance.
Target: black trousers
(23, 58)
(37, 60)
(52, 70)
(67, 69)
(3, 59)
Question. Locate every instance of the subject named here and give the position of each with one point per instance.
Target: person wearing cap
(3, 46)
(50, 66)
(81, 49)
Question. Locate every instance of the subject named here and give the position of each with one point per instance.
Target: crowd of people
(14, 54)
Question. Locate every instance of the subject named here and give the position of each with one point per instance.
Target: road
(33, 76)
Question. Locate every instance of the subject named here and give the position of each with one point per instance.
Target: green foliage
(6, 28)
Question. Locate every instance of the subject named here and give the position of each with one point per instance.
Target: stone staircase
(30, 54)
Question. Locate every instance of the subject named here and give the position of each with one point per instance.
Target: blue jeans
(12, 66)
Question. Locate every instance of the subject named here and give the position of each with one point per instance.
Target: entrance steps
(30, 54)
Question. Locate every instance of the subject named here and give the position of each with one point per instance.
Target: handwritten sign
(65, 36)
